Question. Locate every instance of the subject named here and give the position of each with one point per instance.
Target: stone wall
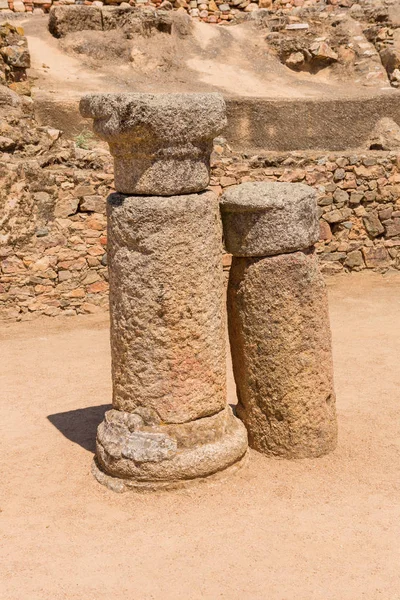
(211, 11)
(358, 198)
(53, 229)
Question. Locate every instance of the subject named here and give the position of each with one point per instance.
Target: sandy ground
(209, 59)
(325, 529)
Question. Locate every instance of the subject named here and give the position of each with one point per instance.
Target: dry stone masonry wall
(211, 11)
(358, 200)
(53, 232)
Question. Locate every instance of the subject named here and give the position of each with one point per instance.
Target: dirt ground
(324, 529)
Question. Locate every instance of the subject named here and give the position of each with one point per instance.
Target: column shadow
(80, 425)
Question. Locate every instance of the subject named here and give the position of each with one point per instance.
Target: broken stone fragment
(159, 457)
(158, 147)
(16, 55)
(8, 97)
(390, 58)
(295, 60)
(263, 219)
(322, 51)
(148, 447)
(385, 135)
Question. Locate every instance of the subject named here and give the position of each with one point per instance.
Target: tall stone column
(170, 423)
(278, 320)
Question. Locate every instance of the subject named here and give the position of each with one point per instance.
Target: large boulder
(67, 19)
(385, 136)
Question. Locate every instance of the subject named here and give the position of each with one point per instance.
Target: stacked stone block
(278, 320)
(170, 423)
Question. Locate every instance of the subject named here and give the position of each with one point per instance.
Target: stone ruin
(170, 423)
(278, 320)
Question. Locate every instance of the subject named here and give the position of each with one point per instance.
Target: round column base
(134, 455)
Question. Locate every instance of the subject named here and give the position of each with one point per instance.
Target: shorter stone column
(278, 320)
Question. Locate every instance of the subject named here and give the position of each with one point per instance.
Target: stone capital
(265, 219)
(161, 143)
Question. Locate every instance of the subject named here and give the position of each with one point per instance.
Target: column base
(115, 484)
(135, 453)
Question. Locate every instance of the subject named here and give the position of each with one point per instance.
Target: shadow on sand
(80, 426)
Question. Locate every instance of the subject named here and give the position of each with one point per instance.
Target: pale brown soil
(211, 58)
(324, 529)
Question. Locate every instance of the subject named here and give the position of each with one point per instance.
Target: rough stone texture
(166, 304)
(263, 219)
(281, 352)
(159, 148)
(385, 136)
(14, 61)
(67, 19)
(137, 451)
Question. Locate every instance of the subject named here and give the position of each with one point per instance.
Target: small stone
(66, 207)
(325, 231)
(392, 227)
(64, 276)
(251, 7)
(355, 198)
(354, 260)
(93, 204)
(339, 175)
(385, 136)
(376, 257)
(322, 51)
(341, 196)
(373, 225)
(295, 60)
(334, 216)
(42, 232)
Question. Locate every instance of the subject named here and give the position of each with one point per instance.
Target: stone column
(278, 320)
(170, 423)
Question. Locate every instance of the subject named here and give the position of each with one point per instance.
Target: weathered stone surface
(158, 147)
(385, 136)
(377, 257)
(354, 260)
(281, 351)
(166, 303)
(8, 97)
(263, 219)
(67, 19)
(373, 225)
(142, 453)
